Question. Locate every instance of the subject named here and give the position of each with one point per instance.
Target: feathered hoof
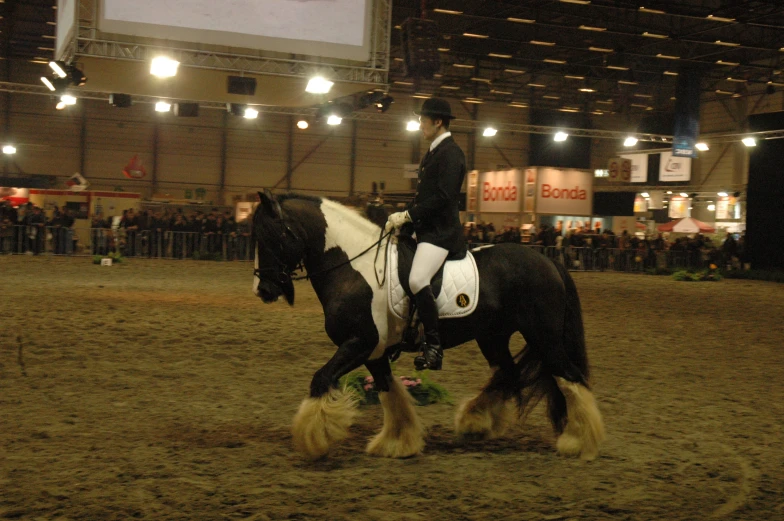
(403, 434)
(472, 423)
(584, 426)
(409, 444)
(322, 422)
(483, 417)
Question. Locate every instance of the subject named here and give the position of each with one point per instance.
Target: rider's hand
(396, 220)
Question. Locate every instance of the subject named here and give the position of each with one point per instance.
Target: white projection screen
(66, 14)
(339, 29)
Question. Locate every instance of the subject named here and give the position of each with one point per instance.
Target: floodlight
(560, 136)
(68, 99)
(412, 126)
(489, 132)
(302, 124)
(630, 141)
(318, 85)
(749, 141)
(48, 83)
(164, 67)
(9, 150)
(684, 194)
(645, 194)
(702, 147)
(251, 113)
(58, 68)
(722, 194)
(334, 120)
(162, 106)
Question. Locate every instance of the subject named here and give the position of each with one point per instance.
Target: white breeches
(427, 260)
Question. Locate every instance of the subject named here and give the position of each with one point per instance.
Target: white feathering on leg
(403, 434)
(584, 428)
(322, 422)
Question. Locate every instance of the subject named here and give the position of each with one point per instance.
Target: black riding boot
(432, 354)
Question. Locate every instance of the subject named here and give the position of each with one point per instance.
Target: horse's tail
(537, 380)
(573, 331)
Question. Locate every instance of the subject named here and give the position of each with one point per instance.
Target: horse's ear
(268, 204)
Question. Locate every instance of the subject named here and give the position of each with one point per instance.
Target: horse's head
(279, 250)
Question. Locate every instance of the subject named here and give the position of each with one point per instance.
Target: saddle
(455, 285)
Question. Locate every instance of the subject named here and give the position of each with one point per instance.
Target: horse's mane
(354, 215)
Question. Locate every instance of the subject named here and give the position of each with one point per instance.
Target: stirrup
(432, 358)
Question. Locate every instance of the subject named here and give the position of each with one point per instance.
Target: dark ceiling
(27, 29)
(543, 52)
(622, 55)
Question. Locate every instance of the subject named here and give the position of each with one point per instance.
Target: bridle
(283, 274)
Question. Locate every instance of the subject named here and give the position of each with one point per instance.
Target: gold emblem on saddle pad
(462, 300)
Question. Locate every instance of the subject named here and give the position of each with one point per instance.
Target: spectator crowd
(595, 249)
(169, 233)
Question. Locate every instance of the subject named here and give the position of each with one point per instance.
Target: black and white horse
(520, 291)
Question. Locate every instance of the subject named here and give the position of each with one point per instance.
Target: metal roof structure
(596, 55)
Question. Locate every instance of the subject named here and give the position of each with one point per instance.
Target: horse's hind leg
(584, 430)
(486, 415)
(323, 419)
(402, 433)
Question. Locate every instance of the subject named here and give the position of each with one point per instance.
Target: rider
(436, 218)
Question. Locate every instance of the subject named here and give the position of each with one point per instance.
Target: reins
(376, 245)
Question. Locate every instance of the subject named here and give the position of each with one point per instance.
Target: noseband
(281, 274)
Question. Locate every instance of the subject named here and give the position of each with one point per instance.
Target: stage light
(560, 136)
(58, 68)
(60, 105)
(702, 147)
(9, 150)
(76, 76)
(630, 141)
(684, 194)
(162, 106)
(164, 67)
(251, 113)
(722, 194)
(68, 99)
(489, 132)
(49, 84)
(318, 85)
(302, 124)
(645, 194)
(749, 141)
(384, 104)
(669, 192)
(412, 126)
(334, 120)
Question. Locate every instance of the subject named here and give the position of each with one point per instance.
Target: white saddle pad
(459, 289)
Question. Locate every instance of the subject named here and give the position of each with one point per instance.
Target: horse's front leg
(402, 434)
(323, 419)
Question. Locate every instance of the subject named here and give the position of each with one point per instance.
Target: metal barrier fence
(38, 240)
(237, 246)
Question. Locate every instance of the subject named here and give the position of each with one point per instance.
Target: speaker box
(419, 42)
(186, 110)
(120, 100)
(765, 210)
(242, 85)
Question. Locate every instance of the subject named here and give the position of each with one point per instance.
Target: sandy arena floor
(164, 390)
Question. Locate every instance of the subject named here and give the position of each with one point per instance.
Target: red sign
(134, 169)
(499, 193)
(563, 193)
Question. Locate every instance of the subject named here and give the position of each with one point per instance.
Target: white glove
(396, 220)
